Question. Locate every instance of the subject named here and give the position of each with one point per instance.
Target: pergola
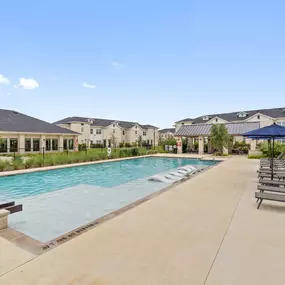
(202, 131)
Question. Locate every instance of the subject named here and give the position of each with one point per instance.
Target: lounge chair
(269, 196)
(279, 157)
(278, 176)
(266, 188)
(272, 182)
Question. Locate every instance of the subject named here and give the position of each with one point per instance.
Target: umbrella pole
(272, 164)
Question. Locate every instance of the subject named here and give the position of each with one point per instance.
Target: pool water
(58, 201)
(107, 174)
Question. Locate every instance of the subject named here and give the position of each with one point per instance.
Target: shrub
(160, 149)
(4, 165)
(128, 144)
(82, 146)
(121, 144)
(18, 163)
(266, 149)
(256, 156)
(96, 145)
(152, 151)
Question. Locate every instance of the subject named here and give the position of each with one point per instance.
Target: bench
(269, 196)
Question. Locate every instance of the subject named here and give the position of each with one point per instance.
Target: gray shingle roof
(233, 116)
(204, 129)
(102, 122)
(163, 131)
(12, 121)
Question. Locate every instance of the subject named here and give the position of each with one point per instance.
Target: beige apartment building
(237, 123)
(166, 133)
(20, 133)
(109, 132)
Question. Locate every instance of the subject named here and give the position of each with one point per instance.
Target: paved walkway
(204, 231)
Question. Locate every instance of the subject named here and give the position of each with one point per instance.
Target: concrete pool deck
(206, 230)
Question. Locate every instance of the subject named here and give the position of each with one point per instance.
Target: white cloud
(115, 63)
(28, 83)
(4, 80)
(86, 85)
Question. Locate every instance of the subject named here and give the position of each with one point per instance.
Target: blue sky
(149, 61)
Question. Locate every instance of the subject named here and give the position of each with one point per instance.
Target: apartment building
(166, 133)
(265, 117)
(237, 123)
(109, 132)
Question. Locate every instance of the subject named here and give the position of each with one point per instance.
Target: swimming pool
(58, 201)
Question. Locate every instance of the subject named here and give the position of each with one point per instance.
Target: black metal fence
(12, 152)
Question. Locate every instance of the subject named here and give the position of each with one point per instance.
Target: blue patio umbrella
(271, 133)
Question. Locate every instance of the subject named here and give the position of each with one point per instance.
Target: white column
(42, 143)
(179, 145)
(201, 145)
(253, 145)
(8, 145)
(21, 143)
(60, 143)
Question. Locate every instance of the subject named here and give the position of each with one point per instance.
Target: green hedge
(66, 158)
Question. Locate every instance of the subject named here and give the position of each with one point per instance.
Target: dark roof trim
(16, 122)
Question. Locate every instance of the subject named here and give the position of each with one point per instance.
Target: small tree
(219, 136)
(160, 139)
(140, 140)
(113, 141)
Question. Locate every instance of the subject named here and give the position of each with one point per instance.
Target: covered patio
(201, 133)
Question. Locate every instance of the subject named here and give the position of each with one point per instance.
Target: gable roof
(205, 129)
(12, 121)
(169, 130)
(233, 116)
(102, 122)
(185, 120)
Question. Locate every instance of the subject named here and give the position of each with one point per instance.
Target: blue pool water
(107, 175)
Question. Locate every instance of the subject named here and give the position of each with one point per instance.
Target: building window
(14, 145)
(123, 132)
(48, 144)
(65, 144)
(28, 145)
(36, 144)
(82, 124)
(114, 125)
(216, 120)
(70, 144)
(136, 127)
(98, 142)
(82, 129)
(3, 145)
(114, 131)
(258, 117)
(91, 131)
(98, 131)
(136, 132)
(54, 144)
(144, 133)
